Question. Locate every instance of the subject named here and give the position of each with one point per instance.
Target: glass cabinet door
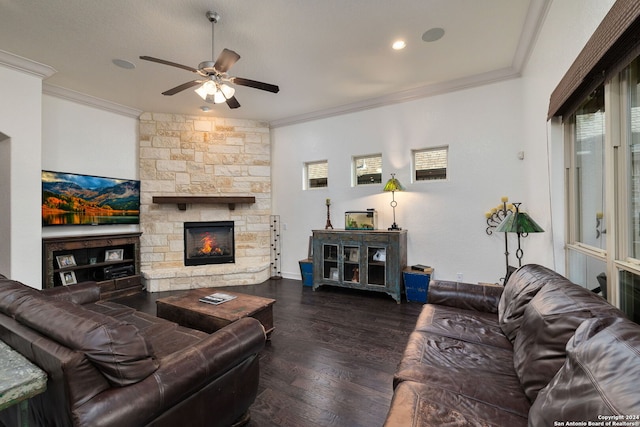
(376, 265)
(330, 262)
(351, 264)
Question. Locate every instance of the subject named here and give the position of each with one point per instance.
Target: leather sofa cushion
(474, 371)
(466, 296)
(81, 293)
(466, 325)
(599, 378)
(121, 354)
(12, 294)
(548, 322)
(522, 286)
(417, 405)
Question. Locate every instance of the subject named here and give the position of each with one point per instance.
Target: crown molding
(91, 101)
(404, 96)
(537, 13)
(25, 65)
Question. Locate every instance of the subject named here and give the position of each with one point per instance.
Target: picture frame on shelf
(67, 260)
(333, 273)
(354, 255)
(68, 278)
(113, 254)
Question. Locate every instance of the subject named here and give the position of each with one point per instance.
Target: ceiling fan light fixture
(220, 95)
(208, 88)
(227, 90)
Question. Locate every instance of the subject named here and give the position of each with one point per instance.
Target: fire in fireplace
(208, 243)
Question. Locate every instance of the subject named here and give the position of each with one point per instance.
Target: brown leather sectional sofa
(110, 365)
(541, 351)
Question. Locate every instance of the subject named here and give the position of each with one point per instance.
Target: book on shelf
(217, 298)
(423, 268)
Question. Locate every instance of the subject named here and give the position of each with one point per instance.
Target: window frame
(306, 181)
(617, 253)
(414, 164)
(354, 169)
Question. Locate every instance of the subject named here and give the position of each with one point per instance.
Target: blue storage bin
(416, 285)
(306, 271)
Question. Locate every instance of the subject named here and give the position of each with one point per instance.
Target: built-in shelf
(182, 201)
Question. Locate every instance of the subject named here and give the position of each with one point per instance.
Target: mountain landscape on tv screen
(69, 199)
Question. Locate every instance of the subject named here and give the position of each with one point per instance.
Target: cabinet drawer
(107, 286)
(376, 238)
(328, 238)
(127, 282)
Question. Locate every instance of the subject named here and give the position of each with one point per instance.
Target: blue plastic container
(416, 285)
(306, 271)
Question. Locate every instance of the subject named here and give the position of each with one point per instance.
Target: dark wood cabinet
(111, 260)
(369, 260)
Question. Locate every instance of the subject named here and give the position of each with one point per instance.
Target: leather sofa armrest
(179, 375)
(82, 293)
(468, 296)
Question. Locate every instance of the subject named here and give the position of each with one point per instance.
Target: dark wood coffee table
(186, 310)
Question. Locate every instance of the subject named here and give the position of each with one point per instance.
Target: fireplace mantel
(182, 201)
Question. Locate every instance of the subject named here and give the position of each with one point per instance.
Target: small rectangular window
(367, 169)
(430, 164)
(317, 174)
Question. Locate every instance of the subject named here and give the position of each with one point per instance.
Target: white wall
(20, 244)
(82, 139)
(445, 220)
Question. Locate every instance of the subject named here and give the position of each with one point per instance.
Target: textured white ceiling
(326, 56)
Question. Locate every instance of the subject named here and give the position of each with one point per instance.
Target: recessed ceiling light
(124, 64)
(205, 108)
(433, 35)
(399, 44)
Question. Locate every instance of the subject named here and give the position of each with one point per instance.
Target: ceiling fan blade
(182, 87)
(233, 102)
(226, 59)
(255, 84)
(173, 64)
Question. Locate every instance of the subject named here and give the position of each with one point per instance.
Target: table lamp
(393, 185)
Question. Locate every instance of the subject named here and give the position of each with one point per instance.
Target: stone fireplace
(201, 160)
(208, 243)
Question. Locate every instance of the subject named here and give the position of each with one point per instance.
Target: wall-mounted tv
(74, 199)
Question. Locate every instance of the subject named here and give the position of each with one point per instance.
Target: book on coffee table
(217, 298)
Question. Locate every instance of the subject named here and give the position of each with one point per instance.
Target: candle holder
(328, 224)
(494, 218)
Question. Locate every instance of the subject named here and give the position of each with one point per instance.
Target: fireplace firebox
(209, 243)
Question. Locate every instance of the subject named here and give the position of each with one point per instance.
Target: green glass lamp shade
(518, 222)
(393, 184)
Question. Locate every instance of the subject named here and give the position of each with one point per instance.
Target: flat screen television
(75, 199)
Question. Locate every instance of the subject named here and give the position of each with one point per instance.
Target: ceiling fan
(214, 81)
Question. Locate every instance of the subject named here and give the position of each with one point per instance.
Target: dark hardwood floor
(331, 358)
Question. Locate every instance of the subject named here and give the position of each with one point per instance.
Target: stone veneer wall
(201, 156)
